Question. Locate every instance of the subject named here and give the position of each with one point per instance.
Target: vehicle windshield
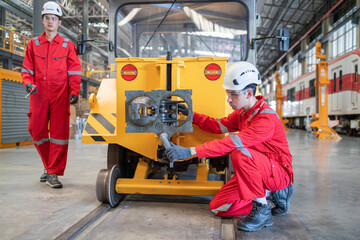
(190, 29)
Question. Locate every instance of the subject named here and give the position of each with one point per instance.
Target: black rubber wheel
(105, 186)
(113, 197)
(101, 185)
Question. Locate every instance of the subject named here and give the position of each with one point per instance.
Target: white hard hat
(241, 74)
(51, 8)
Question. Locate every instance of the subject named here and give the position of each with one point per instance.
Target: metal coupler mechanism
(157, 111)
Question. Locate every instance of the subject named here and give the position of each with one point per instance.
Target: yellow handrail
(16, 43)
(13, 42)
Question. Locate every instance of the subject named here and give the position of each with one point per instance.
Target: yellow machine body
(106, 122)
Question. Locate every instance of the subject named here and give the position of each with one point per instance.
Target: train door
(335, 98)
(354, 85)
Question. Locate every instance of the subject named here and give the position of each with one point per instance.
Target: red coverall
(56, 71)
(259, 153)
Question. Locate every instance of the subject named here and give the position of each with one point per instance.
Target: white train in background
(343, 95)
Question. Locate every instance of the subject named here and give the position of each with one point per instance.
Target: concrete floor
(325, 203)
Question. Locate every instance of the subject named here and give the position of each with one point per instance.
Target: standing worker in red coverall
(51, 73)
(258, 150)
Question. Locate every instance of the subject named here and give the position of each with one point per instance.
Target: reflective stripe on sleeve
(58, 141)
(237, 141)
(222, 208)
(65, 43)
(222, 127)
(266, 110)
(41, 141)
(36, 41)
(25, 70)
(74, 72)
(245, 151)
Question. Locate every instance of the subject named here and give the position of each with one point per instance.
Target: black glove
(31, 88)
(73, 99)
(177, 152)
(183, 109)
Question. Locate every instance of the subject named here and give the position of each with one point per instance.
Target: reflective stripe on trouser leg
(226, 202)
(222, 208)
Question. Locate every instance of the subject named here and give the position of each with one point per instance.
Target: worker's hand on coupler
(73, 99)
(177, 152)
(183, 109)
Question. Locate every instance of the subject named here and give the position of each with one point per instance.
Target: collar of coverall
(256, 105)
(43, 39)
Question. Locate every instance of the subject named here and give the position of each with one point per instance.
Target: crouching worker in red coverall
(258, 150)
(51, 73)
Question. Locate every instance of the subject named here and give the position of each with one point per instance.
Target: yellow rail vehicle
(165, 55)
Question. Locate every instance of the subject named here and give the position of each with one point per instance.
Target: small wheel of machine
(105, 186)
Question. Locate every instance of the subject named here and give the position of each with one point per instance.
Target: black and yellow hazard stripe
(99, 124)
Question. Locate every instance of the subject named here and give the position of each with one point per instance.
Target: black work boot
(281, 200)
(53, 181)
(259, 217)
(44, 176)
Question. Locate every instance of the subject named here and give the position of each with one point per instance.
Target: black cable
(204, 42)
(162, 21)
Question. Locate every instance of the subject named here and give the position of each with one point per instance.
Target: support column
(2, 16)
(85, 23)
(38, 26)
(85, 92)
(358, 27)
(325, 28)
(304, 45)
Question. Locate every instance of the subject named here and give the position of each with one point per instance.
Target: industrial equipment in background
(279, 101)
(13, 110)
(322, 124)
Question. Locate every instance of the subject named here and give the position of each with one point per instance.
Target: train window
(186, 29)
(291, 94)
(334, 81)
(340, 80)
(356, 73)
(312, 88)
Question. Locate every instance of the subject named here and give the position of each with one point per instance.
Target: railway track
(183, 215)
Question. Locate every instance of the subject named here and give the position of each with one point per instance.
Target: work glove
(31, 88)
(183, 109)
(177, 152)
(73, 99)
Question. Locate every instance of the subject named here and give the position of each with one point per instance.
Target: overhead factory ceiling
(298, 16)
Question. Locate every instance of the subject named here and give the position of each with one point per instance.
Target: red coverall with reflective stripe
(56, 71)
(259, 153)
